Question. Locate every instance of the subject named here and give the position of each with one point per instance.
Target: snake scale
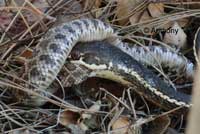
(98, 59)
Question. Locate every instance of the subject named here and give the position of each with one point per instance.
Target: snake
(58, 48)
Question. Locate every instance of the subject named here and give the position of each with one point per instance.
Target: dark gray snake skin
(51, 53)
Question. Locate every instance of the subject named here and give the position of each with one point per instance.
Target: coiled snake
(98, 59)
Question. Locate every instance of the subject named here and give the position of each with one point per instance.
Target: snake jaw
(92, 66)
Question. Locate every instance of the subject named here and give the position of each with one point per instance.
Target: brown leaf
(90, 5)
(121, 125)
(136, 17)
(87, 119)
(176, 36)
(96, 107)
(73, 6)
(34, 9)
(182, 23)
(98, 3)
(69, 117)
(156, 9)
(145, 16)
(124, 8)
(27, 53)
(94, 3)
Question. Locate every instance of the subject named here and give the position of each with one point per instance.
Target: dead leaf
(22, 58)
(121, 125)
(95, 107)
(87, 118)
(156, 9)
(89, 3)
(33, 10)
(182, 23)
(73, 6)
(175, 36)
(69, 117)
(136, 17)
(146, 30)
(27, 53)
(145, 16)
(124, 8)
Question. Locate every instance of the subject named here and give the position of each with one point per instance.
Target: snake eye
(75, 55)
(90, 59)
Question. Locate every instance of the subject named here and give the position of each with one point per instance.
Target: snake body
(51, 53)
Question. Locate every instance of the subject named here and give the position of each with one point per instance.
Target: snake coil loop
(51, 53)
